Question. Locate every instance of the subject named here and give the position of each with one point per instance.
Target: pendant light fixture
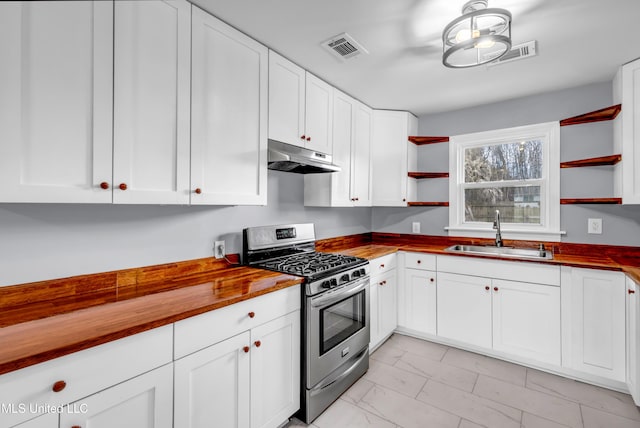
(479, 36)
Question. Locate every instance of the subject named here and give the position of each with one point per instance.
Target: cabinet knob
(122, 186)
(381, 265)
(357, 199)
(631, 291)
(302, 137)
(308, 138)
(251, 314)
(383, 282)
(257, 343)
(495, 288)
(487, 288)
(198, 190)
(104, 185)
(419, 261)
(59, 386)
(404, 199)
(431, 280)
(245, 349)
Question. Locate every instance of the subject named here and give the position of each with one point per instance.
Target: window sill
(519, 234)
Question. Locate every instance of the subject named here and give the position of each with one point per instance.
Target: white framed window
(515, 171)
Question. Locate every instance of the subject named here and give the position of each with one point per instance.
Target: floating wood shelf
(603, 160)
(611, 201)
(428, 204)
(429, 174)
(608, 113)
(420, 141)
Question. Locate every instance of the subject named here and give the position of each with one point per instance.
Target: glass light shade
(477, 37)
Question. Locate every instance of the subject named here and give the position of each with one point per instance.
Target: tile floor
(414, 383)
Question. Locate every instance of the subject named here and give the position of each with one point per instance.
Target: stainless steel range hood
(290, 158)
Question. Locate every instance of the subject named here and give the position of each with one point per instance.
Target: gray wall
(620, 224)
(45, 241)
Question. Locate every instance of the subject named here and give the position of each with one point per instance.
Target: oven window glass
(341, 320)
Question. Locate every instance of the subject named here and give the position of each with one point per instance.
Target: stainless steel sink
(523, 253)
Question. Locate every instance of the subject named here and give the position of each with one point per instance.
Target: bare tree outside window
(505, 177)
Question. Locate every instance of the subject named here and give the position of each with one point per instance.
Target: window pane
(516, 204)
(520, 160)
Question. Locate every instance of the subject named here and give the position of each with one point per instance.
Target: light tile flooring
(414, 383)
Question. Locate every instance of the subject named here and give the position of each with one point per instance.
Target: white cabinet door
(286, 100)
(275, 371)
(420, 300)
(626, 91)
(213, 385)
(48, 420)
(390, 156)
(145, 401)
(361, 156)
(152, 78)
(229, 115)
(387, 303)
(56, 103)
(526, 320)
(593, 308)
(633, 340)
(464, 308)
(318, 115)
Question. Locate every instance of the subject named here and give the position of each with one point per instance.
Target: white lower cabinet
(383, 299)
(142, 402)
(593, 322)
(633, 341)
(251, 379)
(417, 292)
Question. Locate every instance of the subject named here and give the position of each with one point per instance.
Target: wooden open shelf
(603, 160)
(428, 204)
(420, 141)
(599, 201)
(428, 175)
(607, 113)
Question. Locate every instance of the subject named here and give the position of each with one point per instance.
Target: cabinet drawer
(383, 264)
(420, 261)
(83, 373)
(198, 332)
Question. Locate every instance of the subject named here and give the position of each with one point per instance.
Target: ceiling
(579, 42)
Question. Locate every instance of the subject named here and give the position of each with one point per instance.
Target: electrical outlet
(594, 226)
(219, 250)
(415, 227)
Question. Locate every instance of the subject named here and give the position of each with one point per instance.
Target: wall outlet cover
(219, 249)
(415, 227)
(594, 226)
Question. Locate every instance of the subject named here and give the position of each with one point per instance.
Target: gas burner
(310, 263)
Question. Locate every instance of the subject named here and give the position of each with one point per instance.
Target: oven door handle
(343, 294)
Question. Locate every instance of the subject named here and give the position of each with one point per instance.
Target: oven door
(337, 328)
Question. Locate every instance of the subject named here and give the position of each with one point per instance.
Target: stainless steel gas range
(335, 315)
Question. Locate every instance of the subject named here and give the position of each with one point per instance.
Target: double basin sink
(522, 253)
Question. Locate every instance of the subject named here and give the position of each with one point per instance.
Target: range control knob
(363, 272)
(326, 284)
(355, 274)
(344, 278)
(334, 283)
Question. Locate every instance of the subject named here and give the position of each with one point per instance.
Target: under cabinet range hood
(290, 158)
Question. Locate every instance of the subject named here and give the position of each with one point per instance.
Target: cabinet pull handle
(495, 288)
(251, 314)
(198, 190)
(632, 291)
(122, 186)
(59, 386)
(487, 288)
(257, 343)
(246, 349)
(104, 185)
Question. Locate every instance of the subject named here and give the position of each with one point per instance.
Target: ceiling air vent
(521, 51)
(344, 46)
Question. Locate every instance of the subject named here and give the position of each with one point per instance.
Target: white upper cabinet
(228, 115)
(300, 106)
(56, 103)
(152, 77)
(626, 91)
(390, 157)
(351, 136)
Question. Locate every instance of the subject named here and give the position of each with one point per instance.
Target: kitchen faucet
(496, 225)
